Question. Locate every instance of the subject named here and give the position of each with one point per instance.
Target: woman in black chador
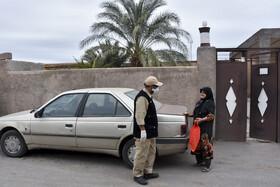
(204, 113)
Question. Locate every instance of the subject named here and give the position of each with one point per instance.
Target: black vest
(151, 123)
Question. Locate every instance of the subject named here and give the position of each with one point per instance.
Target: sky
(49, 31)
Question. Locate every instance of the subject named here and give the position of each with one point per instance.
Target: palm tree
(103, 55)
(87, 60)
(138, 28)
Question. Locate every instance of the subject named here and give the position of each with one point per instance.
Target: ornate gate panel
(264, 92)
(231, 102)
(264, 97)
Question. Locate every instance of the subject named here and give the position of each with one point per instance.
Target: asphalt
(251, 163)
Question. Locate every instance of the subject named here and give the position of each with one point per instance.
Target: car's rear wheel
(128, 153)
(13, 144)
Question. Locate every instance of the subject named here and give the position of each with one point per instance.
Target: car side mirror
(39, 113)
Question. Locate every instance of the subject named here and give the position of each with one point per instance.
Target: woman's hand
(187, 114)
(201, 119)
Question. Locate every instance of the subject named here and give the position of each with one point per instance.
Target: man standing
(145, 131)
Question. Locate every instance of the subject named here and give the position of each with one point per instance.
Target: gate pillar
(206, 67)
(206, 71)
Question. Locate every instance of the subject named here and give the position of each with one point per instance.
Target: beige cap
(151, 80)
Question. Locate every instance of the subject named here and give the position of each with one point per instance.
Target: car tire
(13, 144)
(128, 152)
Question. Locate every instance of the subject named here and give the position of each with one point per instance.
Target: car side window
(64, 106)
(103, 105)
(122, 111)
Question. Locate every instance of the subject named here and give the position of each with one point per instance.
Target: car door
(103, 122)
(56, 125)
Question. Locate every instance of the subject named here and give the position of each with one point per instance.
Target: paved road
(235, 164)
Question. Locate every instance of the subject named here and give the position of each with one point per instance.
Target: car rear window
(132, 94)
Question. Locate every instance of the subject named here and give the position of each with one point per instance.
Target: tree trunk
(135, 61)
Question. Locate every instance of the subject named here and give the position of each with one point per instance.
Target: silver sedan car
(98, 120)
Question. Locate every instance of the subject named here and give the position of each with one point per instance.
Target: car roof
(85, 90)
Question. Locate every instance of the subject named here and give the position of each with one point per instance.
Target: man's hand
(143, 135)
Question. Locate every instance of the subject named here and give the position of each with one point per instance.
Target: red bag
(194, 136)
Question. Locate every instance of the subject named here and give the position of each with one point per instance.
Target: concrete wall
(22, 90)
(27, 90)
(12, 65)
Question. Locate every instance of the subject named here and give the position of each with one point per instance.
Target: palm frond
(171, 56)
(137, 27)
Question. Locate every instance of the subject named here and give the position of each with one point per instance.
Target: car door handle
(121, 126)
(69, 125)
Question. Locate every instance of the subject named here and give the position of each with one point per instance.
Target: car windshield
(132, 94)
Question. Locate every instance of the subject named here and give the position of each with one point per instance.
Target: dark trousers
(200, 159)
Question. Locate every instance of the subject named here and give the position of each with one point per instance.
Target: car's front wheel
(13, 144)
(128, 153)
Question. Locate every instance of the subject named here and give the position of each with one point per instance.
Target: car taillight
(183, 129)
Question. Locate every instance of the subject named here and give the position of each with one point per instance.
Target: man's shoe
(151, 176)
(140, 180)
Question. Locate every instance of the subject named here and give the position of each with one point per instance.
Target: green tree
(104, 55)
(137, 27)
(87, 60)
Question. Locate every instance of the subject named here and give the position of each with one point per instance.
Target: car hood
(24, 115)
(172, 109)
